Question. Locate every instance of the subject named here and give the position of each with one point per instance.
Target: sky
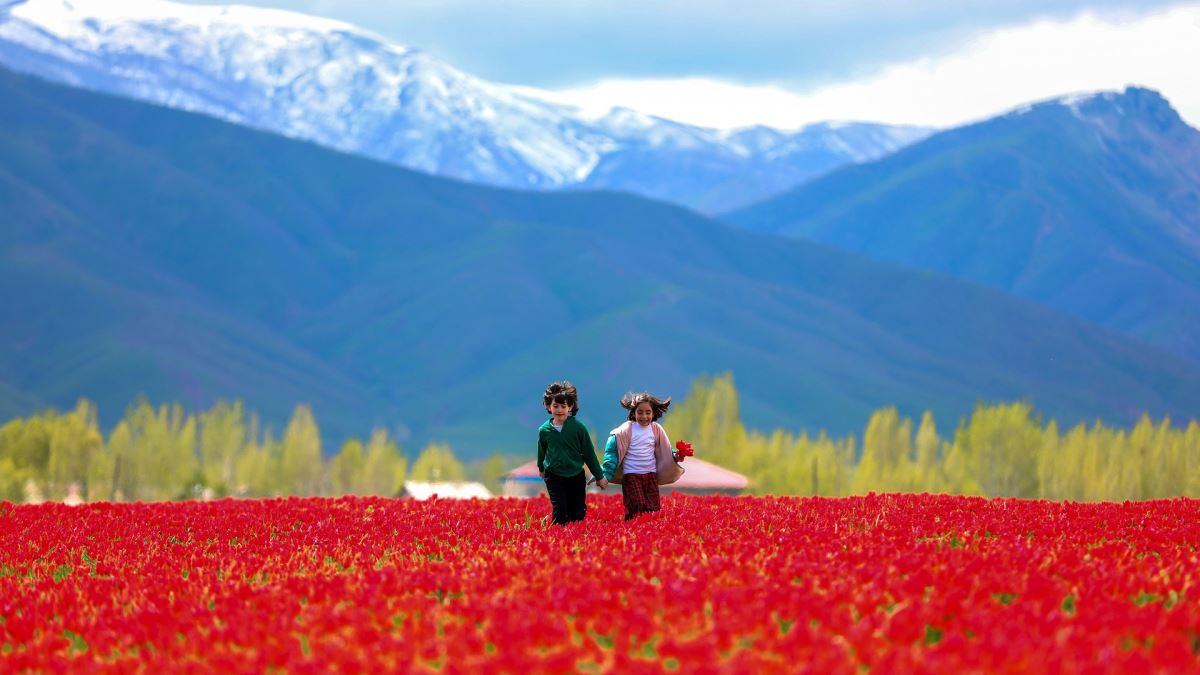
(786, 63)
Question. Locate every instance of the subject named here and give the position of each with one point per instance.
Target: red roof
(697, 473)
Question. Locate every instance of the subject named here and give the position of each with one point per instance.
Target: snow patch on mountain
(338, 85)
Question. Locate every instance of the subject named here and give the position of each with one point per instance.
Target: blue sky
(780, 62)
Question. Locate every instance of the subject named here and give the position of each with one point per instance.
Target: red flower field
(885, 582)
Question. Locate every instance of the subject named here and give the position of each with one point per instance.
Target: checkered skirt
(639, 491)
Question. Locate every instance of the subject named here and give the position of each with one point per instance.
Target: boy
(564, 446)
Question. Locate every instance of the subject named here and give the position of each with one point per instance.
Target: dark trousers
(566, 496)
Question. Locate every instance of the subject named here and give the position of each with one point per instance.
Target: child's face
(559, 410)
(643, 414)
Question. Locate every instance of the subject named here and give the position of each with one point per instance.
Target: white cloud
(989, 75)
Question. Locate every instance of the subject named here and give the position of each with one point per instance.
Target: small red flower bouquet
(683, 449)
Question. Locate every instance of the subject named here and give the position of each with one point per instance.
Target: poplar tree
(999, 449)
(153, 453)
(886, 463)
(928, 475)
(223, 438)
(1190, 447)
(709, 418)
(24, 450)
(257, 470)
(384, 466)
(437, 463)
(491, 474)
(300, 465)
(1049, 481)
(346, 469)
(75, 441)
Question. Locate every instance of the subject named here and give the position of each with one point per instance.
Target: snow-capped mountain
(347, 88)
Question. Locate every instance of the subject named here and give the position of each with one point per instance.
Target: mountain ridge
(351, 90)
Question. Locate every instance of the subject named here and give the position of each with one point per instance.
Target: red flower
(886, 582)
(683, 449)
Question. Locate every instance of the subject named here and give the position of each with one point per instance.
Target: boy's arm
(541, 453)
(589, 454)
(609, 465)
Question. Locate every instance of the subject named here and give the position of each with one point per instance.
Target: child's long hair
(658, 406)
(562, 392)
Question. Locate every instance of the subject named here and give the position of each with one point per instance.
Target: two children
(638, 454)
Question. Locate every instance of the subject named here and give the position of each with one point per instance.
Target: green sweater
(565, 452)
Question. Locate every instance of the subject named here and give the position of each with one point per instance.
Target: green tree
(1189, 441)
(75, 441)
(384, 466)
(346, 469)
(437, 463)
(300, 457)
(24, 451)
(223, 438)
(1050, 479)
(998, 451)
(710, 418)
(100, 475)
(12, 480)
(15, 469)
(257, 469)
(491, 474)
(928, 470)
(153, 453)
(887, 461)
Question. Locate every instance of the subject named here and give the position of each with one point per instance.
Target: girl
(638, 455)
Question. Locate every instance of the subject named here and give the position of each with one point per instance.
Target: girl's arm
(609, 465)
(670, 448)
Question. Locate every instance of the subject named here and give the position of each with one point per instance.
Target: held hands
(600, 481)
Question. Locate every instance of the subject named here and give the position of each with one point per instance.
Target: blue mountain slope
(150, 250)
(1090, 205)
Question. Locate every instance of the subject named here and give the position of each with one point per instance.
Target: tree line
(1000, 450)
(163, 452)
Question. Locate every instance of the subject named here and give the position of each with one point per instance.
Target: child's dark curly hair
(562, 392)
(658, 406)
